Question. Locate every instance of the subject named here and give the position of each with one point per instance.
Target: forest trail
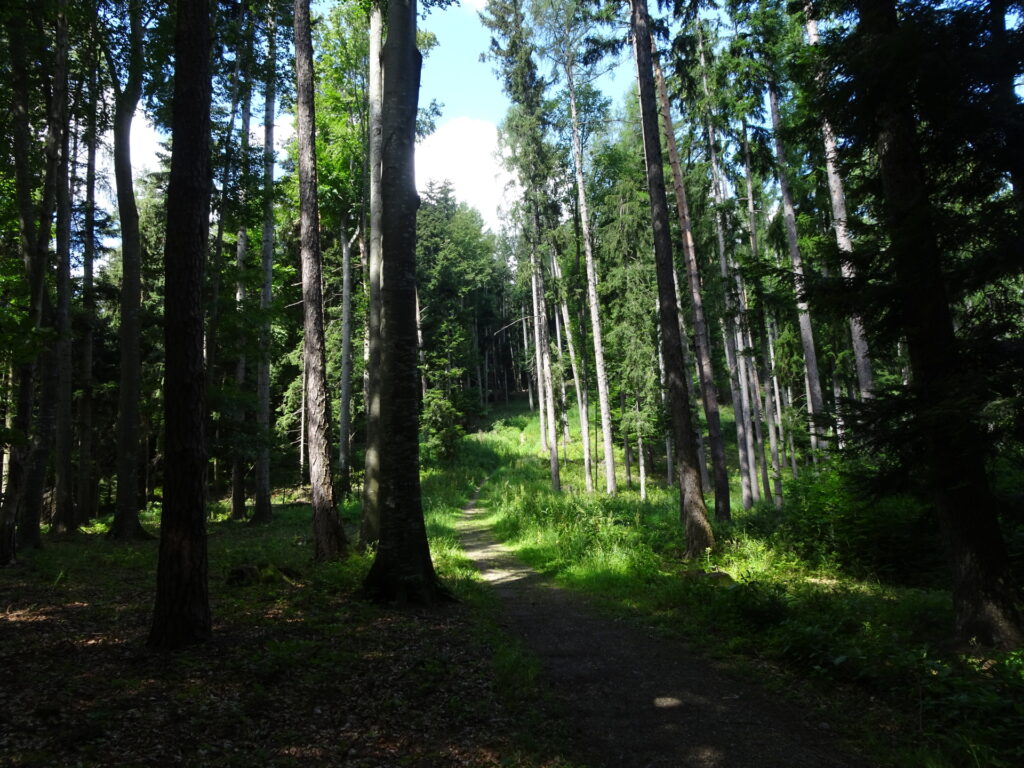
(634, 699)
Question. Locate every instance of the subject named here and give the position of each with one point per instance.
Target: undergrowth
(829, 589)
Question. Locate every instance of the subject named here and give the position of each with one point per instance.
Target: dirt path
(635, 699)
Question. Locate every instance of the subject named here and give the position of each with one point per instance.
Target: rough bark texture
(693, 513)
(708, 389)
(329, 539)
(402, 570)
(181, 615)
(369, 531)
(984, 597)
(261, 507)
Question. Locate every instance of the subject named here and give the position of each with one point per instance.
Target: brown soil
(631, 698)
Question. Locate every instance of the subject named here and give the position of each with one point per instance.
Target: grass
(781, 594)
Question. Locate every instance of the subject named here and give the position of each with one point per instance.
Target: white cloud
(464, 150)
(145, 144)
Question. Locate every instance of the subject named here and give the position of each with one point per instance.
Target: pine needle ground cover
(784, 599)
(300, 671)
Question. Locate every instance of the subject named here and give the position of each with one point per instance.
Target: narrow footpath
(633, 698)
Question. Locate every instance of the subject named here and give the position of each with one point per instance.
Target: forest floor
(634, 698)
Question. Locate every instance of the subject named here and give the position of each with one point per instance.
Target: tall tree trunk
(369, 531)
(581, 389)
(329, 539)
(526, 360)
(544, 349)
(985, 600)
(241, 254)
(693, 514)
(345, 417)
(538, 355)
(837, 196)
(816, 402)
(87, 500)
(402, 570)
(261, 508)
(65, 519)
(126, 525)
(181, 614)
(702, 342)
(592, 300)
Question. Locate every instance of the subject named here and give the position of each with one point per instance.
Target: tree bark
(708, 389)
(402, 570)
(593, 303)
(345, 417)
(984, 596)
(181, 614)
(329, 539)
(369, 531)
(261, 507)
(544, 359)
(837, 196)
(816, 403)
(693, 514)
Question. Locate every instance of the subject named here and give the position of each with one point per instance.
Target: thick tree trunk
(329, 539)
(369, 531)
(816, 403)
(702, 341)
(126, 525)
(600, 373)
(693, 514)
(402, 571)
(984, 596)
(181, 614)
(261, 507)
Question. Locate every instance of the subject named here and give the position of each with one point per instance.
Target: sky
(464, 147)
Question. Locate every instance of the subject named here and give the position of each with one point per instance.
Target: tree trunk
(984, 595)
(181, 614)
(538, 354)
(581, 389)
(126, 525)
(369, 531)
(329, 539)
(861, 356)
(402, 571)
(592, 300)
(816, 402)
(693, 514)
(65, 519)
(345, 417)
(544, 356)
(702, 342)
(261, 508)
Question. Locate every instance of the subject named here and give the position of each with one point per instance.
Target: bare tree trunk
(402, 571)
(816, 401)
(538, 355)
(241, 254)
(702, 342)
(642, 468)
(65, 519)
(592, 300)
(329, 539)
(581, 389)
(693, 514)
(345, 417)
(87, 500)
(369, 530)
(861, 356)
(181, 614)
(261, 507)
(562, 400)
(526, 358)
(544, 349)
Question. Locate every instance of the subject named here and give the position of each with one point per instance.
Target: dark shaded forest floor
(299, 672)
